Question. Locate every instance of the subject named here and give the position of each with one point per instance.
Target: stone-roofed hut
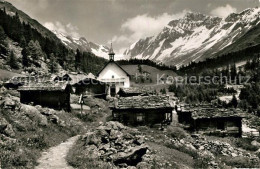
(135, 91)
(220, 122)
(48, 94)
(211, 120)
(92, 87)
(143, 110)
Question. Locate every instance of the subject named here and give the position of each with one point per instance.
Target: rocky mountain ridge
(196, 37)
(82, 44)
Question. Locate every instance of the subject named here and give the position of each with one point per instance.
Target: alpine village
(64, 106)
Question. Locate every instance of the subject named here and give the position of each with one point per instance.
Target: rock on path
(55, 157)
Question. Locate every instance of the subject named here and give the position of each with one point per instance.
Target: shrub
(176, 132)
(202, 162)
(245, 143)
(183, 149)
(79, 159)
(241, 162)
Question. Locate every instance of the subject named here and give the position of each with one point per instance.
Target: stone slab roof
(44, 86)
(198, 113)
(136, 90)
(143, 102)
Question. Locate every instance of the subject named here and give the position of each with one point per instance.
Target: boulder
(144, 165)
(92, 152)
(92, 139)
(54, 118)
(9, 103)
(5, 140)
(6, 128)
(1, 83)
(132, 158)
(3, 89)
(115, 125)
(34, 114)
(255, 143)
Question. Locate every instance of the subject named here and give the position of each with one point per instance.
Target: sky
(121, 21)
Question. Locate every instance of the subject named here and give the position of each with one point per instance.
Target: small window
(115, 115)
(140, 117)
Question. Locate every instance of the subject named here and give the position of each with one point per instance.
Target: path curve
(55, 157)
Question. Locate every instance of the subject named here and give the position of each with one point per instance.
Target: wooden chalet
(135, 91)
(92, 87)
(143, 110)
(48, 94)
(212, 121)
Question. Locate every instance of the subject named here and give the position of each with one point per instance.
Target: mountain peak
(195, 16)
(195, 37)
(248, 15)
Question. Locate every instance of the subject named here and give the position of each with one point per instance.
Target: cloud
(68, 29)
(223, 11)
(43, 4)
(142, 26)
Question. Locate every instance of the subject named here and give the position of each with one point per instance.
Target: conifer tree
(234, 101)
(12, 61)
(53, 66)
(25, 59)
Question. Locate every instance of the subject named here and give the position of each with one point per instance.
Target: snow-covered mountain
(83, 45)
(197, 36)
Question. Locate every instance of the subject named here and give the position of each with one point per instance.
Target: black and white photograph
(129, 84)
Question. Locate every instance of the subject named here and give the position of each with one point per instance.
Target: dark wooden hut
(143, 110)
(211, 120)
(220, 122)
(48, 94)
(92, 87)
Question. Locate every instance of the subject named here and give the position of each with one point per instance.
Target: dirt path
(54, 158)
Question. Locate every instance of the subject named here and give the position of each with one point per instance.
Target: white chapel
(113, 74)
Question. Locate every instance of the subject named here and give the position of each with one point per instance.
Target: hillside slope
(148, 71)
(28, 46)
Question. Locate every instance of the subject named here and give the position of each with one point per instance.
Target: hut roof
(45, 86)
(136, 90)
(88, 81)
(19, 79)
(73, 78)
(143, 102)
(199, 113)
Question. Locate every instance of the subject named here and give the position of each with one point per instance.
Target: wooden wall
(225, 126)
(52, 99)
(149, 116)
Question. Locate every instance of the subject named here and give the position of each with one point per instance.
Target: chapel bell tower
(111, 53)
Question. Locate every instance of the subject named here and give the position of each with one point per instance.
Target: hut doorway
(220, 125)
(113, 90)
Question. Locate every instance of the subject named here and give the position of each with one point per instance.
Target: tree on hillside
(33, 50)
(234, 101)
(3, 43)
(53, 66)
(2, 35)
(22, 41)
(77, 59)
(25, 59)
(233, 71)
(140, 68)
(12, 61)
